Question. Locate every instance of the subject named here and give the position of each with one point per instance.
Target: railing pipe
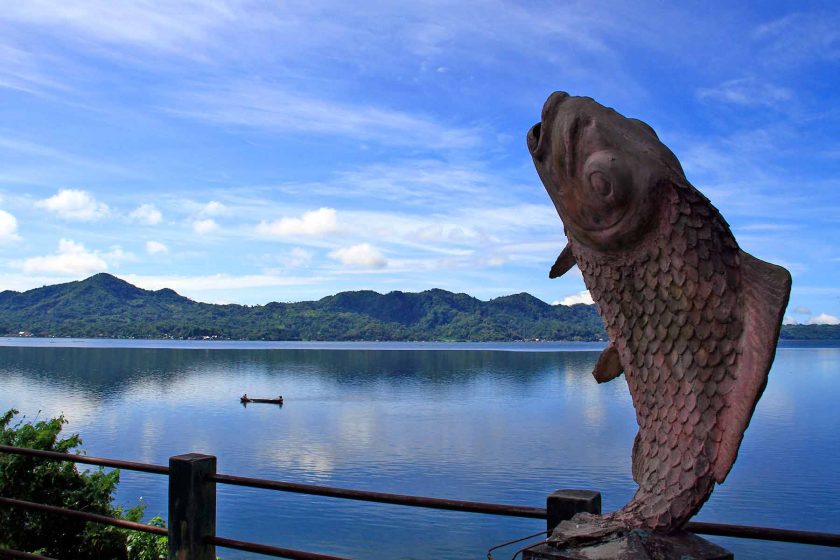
(99, 461)
(764, 533)
(383, 497)
(271, 550)
(85, 516)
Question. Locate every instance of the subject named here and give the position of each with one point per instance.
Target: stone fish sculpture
(692, 319)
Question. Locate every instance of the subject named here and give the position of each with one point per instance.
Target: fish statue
(693, 320)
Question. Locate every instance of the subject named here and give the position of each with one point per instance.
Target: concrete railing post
(192, 507)
(564, 504)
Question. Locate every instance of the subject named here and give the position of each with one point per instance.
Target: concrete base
(636, 545)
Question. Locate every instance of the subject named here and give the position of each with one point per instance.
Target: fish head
(604, 172)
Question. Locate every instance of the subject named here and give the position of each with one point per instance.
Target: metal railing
(192, 508)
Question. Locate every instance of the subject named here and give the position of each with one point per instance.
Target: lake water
(506, 423)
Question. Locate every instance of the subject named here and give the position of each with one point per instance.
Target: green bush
(61, 484)
(146, 546)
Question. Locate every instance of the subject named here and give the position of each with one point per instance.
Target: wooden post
(563, 504)
(192, 507)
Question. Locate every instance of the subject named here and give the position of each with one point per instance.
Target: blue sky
(249, 152)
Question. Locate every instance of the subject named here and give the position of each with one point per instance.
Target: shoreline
(193, 344)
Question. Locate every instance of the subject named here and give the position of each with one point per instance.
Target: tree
(60, 483)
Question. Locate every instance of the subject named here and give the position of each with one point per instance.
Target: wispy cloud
(800, 38)
(770, 227)
(24, 71)
(748, 92)
(39, 152)
(174, 27)
(282, 110)
(417, 184)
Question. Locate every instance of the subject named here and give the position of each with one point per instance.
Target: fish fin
(564, 262)
(608, 366)
(765, 297)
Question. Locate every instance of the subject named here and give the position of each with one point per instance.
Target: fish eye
(600, 183)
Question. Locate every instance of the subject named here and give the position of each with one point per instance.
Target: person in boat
(244, 397)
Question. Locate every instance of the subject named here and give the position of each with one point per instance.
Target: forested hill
(105, 306)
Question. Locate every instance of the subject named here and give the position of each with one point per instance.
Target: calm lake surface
(506, 423)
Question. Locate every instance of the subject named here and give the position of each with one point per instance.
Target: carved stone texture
(692, 319)
(637, 544)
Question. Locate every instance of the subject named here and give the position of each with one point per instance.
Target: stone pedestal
(636, 545)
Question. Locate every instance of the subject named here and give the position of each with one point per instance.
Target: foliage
(145, 546)
(60, 483)
(104, 305)
(810, 332)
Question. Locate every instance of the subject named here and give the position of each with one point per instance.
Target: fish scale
(693, 350)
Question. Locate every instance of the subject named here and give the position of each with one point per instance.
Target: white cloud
(156, 248)
(824, 319)
(788, 320)
(147, 214)
(363, 254)
(315, 223)
(297, 257)
(580, 297)
(72, 258)
(447, 233)
(8, 228)
(72, 204)
(801, 310)
(205, 227)
(213, 208)
(117, 255)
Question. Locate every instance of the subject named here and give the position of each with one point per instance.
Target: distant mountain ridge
(106, 306)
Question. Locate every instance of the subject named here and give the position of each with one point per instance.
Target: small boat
(245, 399)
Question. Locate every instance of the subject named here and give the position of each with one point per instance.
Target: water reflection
(477, 425)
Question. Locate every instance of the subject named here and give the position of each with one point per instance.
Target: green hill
(105, 306)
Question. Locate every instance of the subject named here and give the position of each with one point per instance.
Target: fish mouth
(534, 137)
